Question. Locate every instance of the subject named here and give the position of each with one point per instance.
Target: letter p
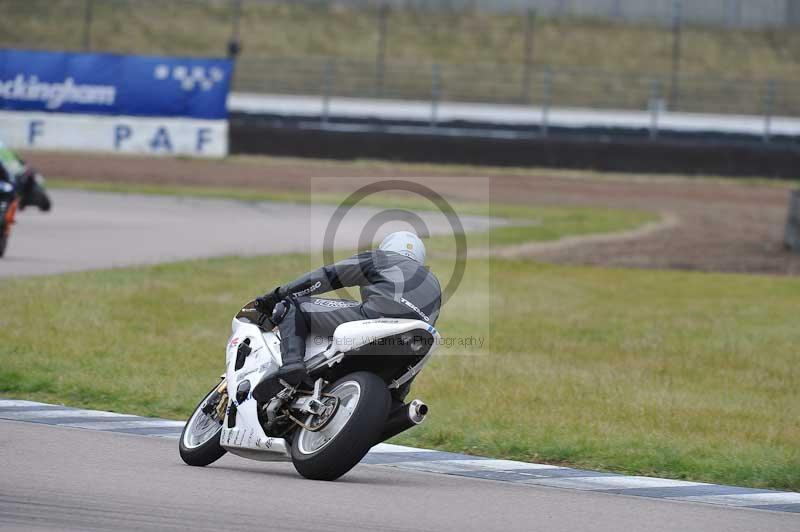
(121, 133)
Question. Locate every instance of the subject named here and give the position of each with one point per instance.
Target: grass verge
(675, 374)
(297, 47)
(447, 36)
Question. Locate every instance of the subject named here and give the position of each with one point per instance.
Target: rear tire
(360, 432)
(204, 451)
(3, 239)
(44, 203)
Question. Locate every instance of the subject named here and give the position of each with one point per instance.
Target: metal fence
(500, 84)
(448, 50)
(723, 13)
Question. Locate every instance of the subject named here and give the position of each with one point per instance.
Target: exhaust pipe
(403, 418)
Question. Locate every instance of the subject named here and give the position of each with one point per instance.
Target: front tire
(355, 427)
(199, 443)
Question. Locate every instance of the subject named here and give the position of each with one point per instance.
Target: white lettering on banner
(54, 95)
(122, 134)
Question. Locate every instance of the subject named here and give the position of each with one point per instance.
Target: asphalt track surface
(58, 478)
(92, 230)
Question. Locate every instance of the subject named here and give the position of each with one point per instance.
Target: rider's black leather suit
(391, 285)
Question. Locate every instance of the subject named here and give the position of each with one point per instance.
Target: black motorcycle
(23, 191)
(8, 208)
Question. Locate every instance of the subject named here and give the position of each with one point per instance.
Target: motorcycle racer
(11, 166)
(28, 183)
(393, 281)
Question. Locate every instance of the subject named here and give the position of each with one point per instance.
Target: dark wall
(624, 152)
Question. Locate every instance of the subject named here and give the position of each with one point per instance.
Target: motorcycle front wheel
(355, 426)
(199, 443)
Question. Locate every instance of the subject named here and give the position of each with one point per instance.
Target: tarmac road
(92, 230)
(56, 478)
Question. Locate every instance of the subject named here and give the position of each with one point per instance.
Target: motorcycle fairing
(246, 437)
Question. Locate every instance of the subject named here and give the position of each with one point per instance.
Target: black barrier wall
(621, 153)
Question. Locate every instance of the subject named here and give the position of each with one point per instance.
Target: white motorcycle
(361, 376)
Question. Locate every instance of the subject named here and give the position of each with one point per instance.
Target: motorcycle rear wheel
(3, 239)
(199, 443)
(354, 428)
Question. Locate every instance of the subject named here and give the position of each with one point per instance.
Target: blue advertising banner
(112, 84)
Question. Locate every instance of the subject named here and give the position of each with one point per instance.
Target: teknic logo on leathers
(415, 308)
(308, 290)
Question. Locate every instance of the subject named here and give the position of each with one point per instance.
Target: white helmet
(406, 243)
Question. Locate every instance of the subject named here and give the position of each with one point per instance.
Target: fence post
(677, 31)
(380, 56)
(792, 235)
(792, 14)
(734, 18)
(234, 45)
(547, 82)
(769, 109)
(88, 14)
(655, 107)
(616, 10)
(436, 88)
(327, 89)
(527, 65)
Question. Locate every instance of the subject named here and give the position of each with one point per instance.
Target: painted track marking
(414, 459)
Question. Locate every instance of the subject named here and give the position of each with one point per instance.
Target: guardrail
(542, 87)
(280, 136)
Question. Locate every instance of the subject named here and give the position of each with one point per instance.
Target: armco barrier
(276, 136)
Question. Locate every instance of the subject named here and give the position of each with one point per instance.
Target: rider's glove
(266, 303)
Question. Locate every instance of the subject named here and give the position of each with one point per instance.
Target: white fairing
(355, 334)
(265, 357)
(247, 437)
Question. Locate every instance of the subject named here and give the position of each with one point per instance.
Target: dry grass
(466, 39)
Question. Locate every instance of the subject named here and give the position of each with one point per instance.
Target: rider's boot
(293, 370)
